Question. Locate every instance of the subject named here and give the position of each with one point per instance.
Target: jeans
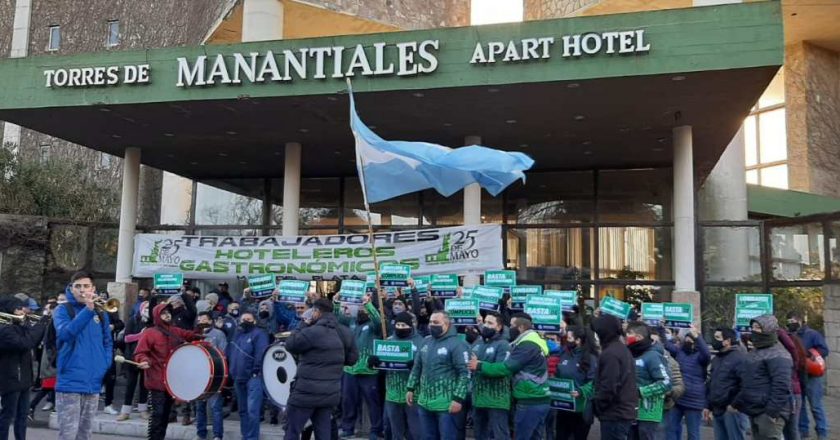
(813, 396)
(791, 430)
(352, 386)
(402, 419)
(529, 421)
(647, 431)
(674, 423)
(296, 418)
(570, 425)
(731, 425)
(215, 401)
(15, 405)
(491, 423)
(615, 429)
(765, 428)
(437, 425)
(249, 395)
(75, 415)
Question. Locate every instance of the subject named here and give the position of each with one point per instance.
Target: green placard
(394, 275)
(293, 291)
(545, 317)
(650, 409)
(542, 300)
(262, 285)
(395, 355)
(653, 313)
(750, 305)
(560, 391)
(370, 282)
(421, 285)
(568, 298)
(444, 285)
(519, 294)
(487, 297)
(462, 311)
(500, 278)
(169, 283)
(678, 315)
(612, 306)
(352, 291)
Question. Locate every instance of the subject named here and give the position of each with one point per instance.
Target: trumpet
(111, 306)
(8, 318)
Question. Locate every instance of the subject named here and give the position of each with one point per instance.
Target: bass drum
(195, 371)
(278, 371)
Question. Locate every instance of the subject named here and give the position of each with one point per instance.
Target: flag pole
(377, 284)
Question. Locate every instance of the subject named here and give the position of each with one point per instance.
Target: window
(766, 138)
(104, 161)
(44, 153)
(113, 34)
(55, 38)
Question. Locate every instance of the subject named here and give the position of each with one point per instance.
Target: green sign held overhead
(421, 285)
(370, 282)
(462, 311)
(519, 294)
(500, 278)
(750, 305)
(262, 285)
(542, 300)
(394, 275)
(487, 297)
(612, 306)
(394, 355)
(653, 313)
(293, 291)
(678, 315)
(568, 298)
(169, 283)
(545, 317)
(352, 291)
(444, 285)
(560, 391)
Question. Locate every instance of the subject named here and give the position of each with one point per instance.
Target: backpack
(677, 385)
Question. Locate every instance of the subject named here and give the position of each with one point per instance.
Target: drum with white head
(195, 371)
(278, 371)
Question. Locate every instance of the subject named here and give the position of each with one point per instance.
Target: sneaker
(31, 415)
(110, 410)
(123, 417)
(48, 406)
(135, 409)
(144, 415)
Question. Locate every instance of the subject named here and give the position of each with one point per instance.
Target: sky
(496, 11)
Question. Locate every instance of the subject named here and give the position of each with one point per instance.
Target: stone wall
(405, 14)
(832, 337)
(812, 100)
(545, 9)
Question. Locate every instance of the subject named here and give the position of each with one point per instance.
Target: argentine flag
(388, 169)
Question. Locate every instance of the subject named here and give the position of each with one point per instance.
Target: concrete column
(291, 190)
(128, 214)
(472, 208)
(19, 49)
(831, 316)
(683, 252)
(262, 20)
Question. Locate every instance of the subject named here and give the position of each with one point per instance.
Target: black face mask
(471, 335)
(436, 331)
(764, 340)
(793, 327)
(362, 318)
(688, 346)
(571, 346)
(488, 332)
(717, 345)
(247, 326)
(264, 314)
(403, 333)
(514, 333)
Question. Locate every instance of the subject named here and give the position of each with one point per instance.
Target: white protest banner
(459, 250)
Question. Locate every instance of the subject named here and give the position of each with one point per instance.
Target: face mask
(669, 337)
(793, 327)
(763, 340)
(571, 345)
(234, 312)
(247, 325)
(403, 333)
(264, 314)
(717, 345)
(145, 315)
(471, 335)
(436, 331)
(688, 346)
(362, 318)
(632, 339)
(488, 332)
(204, 327)
(514, 333)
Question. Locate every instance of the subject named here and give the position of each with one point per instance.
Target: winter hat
(405, 318)
(212, 298)
(202, 305)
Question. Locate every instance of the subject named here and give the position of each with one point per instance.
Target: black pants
(15, 404)
(570, 425)
(161, 406)
(135, 376)
(296, 418)
(49, 394)
(110, 381)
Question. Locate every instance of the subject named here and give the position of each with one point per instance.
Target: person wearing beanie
(402, 418)
(693, 356)
(653, 376)
(616, 397)
(265, 316)
(491, 395)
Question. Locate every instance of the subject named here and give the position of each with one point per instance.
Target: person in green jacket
(529, 369)
(403, 419)
(359, 378)
(491, 395)
(652, 377)
(439, 377)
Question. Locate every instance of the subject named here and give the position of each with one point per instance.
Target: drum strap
(170, 335)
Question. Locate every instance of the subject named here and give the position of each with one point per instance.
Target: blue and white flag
(388, 169)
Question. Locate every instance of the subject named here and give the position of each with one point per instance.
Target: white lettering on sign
(102, 76)
(631, 41)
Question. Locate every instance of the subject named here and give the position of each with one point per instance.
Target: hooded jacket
(616, 396)
(491, 392)
(16, 344)
(156, 344)
(364, 334)
(245, 353)
(693, 367)
(85, 347)
(527, 364)
(440, 375)
(322, 350)
(765, 378)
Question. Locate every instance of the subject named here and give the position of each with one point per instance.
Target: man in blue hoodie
(245, 355)
(85, 350)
